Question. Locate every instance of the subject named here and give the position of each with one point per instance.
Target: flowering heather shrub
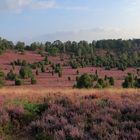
(78, 115)
(90, 117)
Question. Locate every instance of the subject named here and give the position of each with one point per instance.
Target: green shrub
(24, 63)
(2, 78)
(98, 86)
(42, 68)
(33, 80)
(74, 65)
(107, 68)
(2, 75)
(25, 72)
(18, 82)
(129, 81)
(11, 75)
(103, 83)
(60, 74)
(54, 51)
(57, 68)
(20, 46)
(111, 81)
(84, 81)
(2, 82)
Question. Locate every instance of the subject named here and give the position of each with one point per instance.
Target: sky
(49, 20)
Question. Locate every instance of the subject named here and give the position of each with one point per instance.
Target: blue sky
(41, 20)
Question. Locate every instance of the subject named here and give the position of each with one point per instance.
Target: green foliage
(104, 83)
(18, 82)
(60, 73)
(54, 51)
(11, 75)
(5, 44)
(2, 82)
(74, 64)
(20, 46)
(19, 62)
(43, 68)
(103, 102)
(33, 80)
(25, 72)
(84, 81)
(101, 83)
(2, 75)
(36, 46)
(129, 81)
(111, 81)
(2, 78)
(57, 68)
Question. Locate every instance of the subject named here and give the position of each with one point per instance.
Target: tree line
(103, 53)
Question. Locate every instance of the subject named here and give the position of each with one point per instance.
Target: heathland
(70, 90)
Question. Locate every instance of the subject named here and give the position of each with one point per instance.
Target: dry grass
(36, 94)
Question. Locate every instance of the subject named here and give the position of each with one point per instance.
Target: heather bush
(78, 116)
(98, 118)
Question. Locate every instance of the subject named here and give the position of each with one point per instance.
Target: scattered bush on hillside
(43, 68)
(57, 68)
(33, 80)
(104, 83)
(2, 78)
(131, 81)
(111, 81)
(18, 82)
(11, 75)
(84, 81)
(60, 74)
(20, 62)
(90, 80)
(46, 60)
(25, 72)
(74, 64)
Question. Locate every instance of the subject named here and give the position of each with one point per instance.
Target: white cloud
(132, 5)
(20, 5)
(88, 34)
